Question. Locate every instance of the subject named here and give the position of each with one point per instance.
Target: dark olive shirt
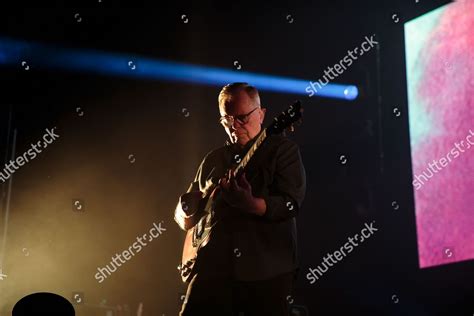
(247, 246)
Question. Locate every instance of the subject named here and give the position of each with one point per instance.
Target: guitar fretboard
(251, 151)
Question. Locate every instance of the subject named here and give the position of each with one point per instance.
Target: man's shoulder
(279, 140)
(272, 141)
(215, 153)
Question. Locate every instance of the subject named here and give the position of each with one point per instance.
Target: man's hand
(238, 193)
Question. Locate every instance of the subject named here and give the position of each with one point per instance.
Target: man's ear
(264, 110)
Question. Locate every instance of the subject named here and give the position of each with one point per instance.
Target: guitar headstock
(287, 119)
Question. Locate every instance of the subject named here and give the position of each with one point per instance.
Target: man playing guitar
(248, 262)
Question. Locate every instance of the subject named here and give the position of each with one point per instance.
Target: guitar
(199, 235)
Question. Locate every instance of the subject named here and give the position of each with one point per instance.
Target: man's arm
(288, 189)
(187, 212)
(189, 209)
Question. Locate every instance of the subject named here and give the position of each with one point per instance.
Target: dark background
(144, 118)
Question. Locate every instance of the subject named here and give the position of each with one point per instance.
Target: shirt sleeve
(179, 213)
(194, 186)
(287, 191)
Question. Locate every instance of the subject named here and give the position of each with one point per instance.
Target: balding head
(233, 90)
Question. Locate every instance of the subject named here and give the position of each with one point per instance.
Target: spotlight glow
(13, 52)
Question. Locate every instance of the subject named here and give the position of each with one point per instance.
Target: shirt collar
(236, 147)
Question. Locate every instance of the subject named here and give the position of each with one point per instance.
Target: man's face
(241, 104)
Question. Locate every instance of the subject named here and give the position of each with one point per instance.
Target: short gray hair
(228, 91)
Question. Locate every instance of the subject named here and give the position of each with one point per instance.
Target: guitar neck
(243, 163)
(279, 124)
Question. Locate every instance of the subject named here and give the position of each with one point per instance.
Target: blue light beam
(13, 52)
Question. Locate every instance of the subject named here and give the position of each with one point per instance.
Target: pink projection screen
(439, 48)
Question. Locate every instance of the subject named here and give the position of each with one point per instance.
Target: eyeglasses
(228, 120)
